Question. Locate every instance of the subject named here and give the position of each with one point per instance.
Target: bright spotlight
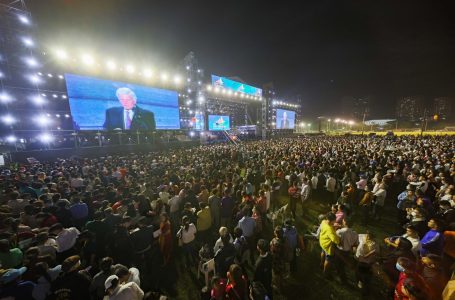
(5, 98)
(2, 75)
(60, 76)
(8, 120)
(187, 67)
(192, 133)
(230, 92)
(130, 69)
(54, 96)
(28, 42)
(24, 19)
(61, 54)
(201, 99)
(164, 77)
(63, 96)
(148, 73)
(177, 79)
(209, 87)
(351, 122)
(38, 100)
(46, 137)
(87, 59)
(42, 120)
(31, 62)
(111, 65)
(35, 79)
(11, 139)
(50, 75)
(67, 115)
(217, 90)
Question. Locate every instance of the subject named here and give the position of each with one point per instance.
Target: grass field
(308, 282)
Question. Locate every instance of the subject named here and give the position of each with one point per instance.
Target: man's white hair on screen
(125, 91)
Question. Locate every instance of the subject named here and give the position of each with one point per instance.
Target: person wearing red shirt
(237, 286)
(294, 195)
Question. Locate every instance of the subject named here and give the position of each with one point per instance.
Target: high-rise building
(443, 106)
(355, 107)
(409, 108)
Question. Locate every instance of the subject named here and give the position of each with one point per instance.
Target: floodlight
(28, 42)
(38, 100)
(177, 79)
(8, 119)
(111, 65)
(61, 54)
(87, 59)
(5, 98)
(147, 73)
(192, 133)
(24, 19)
(31, 62)
(42, 120)
(130, 69)
(164, 77)
(46, 137)
(11, 139)
(34, 79)
(60, 76)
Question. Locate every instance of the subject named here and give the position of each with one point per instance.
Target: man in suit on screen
(129, 116)
(285, 121)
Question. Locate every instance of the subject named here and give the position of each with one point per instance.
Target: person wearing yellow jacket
(328, 239)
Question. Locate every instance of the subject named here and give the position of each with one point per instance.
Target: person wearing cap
(12, 287)
(118, 291)
(72, 283)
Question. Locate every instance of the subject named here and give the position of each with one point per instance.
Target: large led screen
(236, 86)
(285, 119)
(217, 122)
(98, 104)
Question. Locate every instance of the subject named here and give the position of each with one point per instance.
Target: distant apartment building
(409, 108)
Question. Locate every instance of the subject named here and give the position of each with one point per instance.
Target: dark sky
(321, 50)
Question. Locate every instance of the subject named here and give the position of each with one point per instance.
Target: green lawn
(308, 283)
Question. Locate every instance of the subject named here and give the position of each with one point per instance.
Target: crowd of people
(125, 227)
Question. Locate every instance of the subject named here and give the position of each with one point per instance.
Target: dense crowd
(126, 227)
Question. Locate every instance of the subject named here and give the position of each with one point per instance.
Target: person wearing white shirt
(380, 196)
(65, 237)
(305, 191)
(219, 242)
(186, 236)
(330, 185)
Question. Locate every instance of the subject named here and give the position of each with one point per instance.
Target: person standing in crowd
(433, 241)
(204, 222)
(349, 240)
(330, 186)
(73, 283)
(215, 207)
(117, 291)
(279, 250)
(237, 285)
(263, 267)
(328, 240)
(165, 238)
(294, 195)
(227, 206)
(186, 236)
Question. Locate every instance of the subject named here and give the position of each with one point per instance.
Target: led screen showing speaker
(285, 119)
(98, 104)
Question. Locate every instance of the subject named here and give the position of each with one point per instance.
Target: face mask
(399, 267)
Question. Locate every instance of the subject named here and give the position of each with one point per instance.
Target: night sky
(318, 50)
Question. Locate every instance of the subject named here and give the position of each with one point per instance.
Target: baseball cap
(12, 274)
(108, 283)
